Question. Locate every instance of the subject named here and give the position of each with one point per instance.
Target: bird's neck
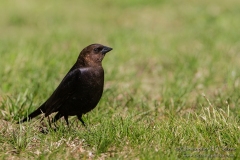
(81, 62)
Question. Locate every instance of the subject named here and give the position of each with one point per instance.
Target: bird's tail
(38, 111)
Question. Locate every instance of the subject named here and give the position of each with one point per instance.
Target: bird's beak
(106, 49)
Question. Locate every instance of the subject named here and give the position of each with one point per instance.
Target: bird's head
(93, 55)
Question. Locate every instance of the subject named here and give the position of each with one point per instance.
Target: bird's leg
(66, 119)
(49, 122)
(56, 117)
(80, 119)
(43, 129)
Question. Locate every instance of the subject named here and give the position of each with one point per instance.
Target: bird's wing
(65, 90)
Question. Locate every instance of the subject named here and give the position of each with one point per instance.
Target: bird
(80, 90)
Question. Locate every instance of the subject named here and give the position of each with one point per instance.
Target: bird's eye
(95, 49)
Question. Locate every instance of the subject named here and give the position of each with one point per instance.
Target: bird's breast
(88, 91)
(91, 83)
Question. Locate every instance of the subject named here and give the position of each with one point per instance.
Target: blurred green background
(166, 55)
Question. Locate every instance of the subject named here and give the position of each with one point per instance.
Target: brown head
(92, 55)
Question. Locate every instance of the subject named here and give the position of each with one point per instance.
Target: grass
(171, 82)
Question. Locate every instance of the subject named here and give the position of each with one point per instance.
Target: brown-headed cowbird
(81, 88)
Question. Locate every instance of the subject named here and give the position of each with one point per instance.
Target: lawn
(172, 80)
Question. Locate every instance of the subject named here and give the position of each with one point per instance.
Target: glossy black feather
(80, 90)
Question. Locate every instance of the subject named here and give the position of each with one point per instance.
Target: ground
(171, 82)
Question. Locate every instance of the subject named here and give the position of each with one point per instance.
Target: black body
(81, 88)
